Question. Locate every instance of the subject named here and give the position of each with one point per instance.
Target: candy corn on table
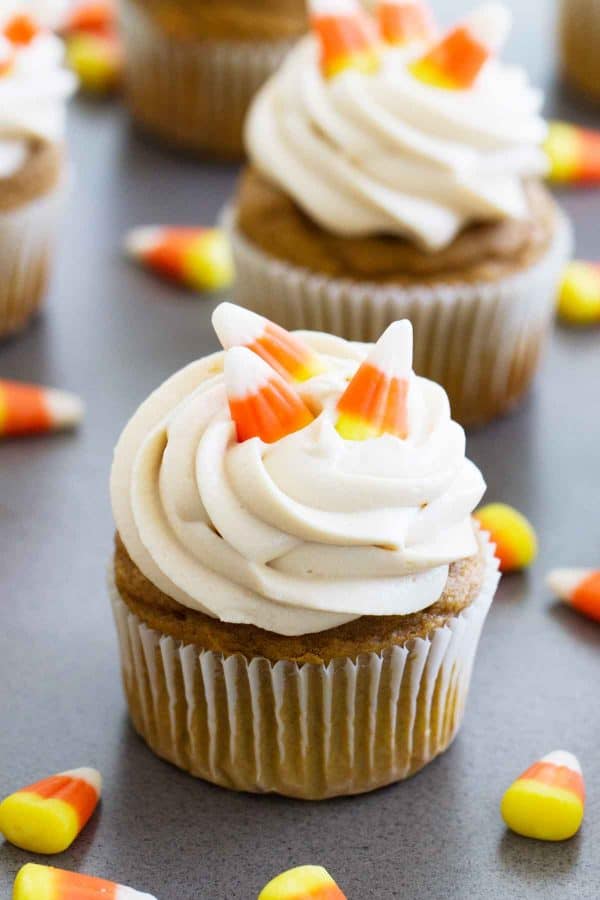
(111, 333)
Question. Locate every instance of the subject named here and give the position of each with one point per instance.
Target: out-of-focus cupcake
(390, 182)
(298, 584)
(192, 68)
(579, 37)
(34, 88)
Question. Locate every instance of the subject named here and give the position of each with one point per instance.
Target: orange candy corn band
(573, 154)
(286, 353)
(348, 40)
(93, 17)
(21, 30)
(455, 63)
(75, 791)
(561, 777)
(23, 409)
(586, 597)
(198, 257)
(382, 399)
(401, 22)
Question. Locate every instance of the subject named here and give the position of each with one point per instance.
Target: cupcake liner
(26, 238)
(481, 342)
(579, 33)
(193, 94)
(309, 731)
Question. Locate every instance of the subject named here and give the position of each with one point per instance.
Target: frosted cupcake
(298, 584)
(34, 89)
(394, 181)
(193, 67)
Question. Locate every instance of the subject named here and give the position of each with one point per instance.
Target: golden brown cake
(579, 38)
(193, 67)
(297, 582)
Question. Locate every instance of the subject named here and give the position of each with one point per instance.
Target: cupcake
(579, 36)
(34, 88)
(193, 67)
(298, 584)
(403, 180)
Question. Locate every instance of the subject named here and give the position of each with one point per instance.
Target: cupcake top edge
(34, 82)
(417, 137)
(296, 482)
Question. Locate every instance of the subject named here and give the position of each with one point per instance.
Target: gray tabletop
(112, 333)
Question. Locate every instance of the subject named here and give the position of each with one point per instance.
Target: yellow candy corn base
(26, 237)
(191, 94)
(365, 730)
(539, 811)
(502, 326)
(38, 825)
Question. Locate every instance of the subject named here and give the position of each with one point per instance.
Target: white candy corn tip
(127, 893)
(332, 7)
(562, 582)
(246, 373)
(490, 25)
(563, 758)
(140, 241)
(87, 774)
(236, 326)
(66, 410)
(393, 352)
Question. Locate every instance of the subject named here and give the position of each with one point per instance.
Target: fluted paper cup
(579, 37)
(26, 243)
(481, 341)
(309, 731)
(193, 94)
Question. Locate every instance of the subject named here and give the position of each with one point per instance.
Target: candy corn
(580, 588)
(91, 16)
(403, 21)
(303, 883)
(375, 401)
(286, 353)
(347, 36)
(29, 409)
(547, 800)
(35, 882)
(513, 535)
(457, 59)
(97, 61)
(199, 258)
(573, 154)
(47, 816)
(21, 30)
(261, 402)
(579, 293)
(7, 56)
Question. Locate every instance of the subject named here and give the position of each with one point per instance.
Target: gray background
(112, 333)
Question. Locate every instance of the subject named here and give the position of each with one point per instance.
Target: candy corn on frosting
(296, 482)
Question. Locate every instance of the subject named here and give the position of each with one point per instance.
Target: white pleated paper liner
(26, 244)
(193, 94)
(481, 342)
(309, 731)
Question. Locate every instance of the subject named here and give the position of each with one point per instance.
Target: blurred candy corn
(91, 16)
(261, 403)
(580, 588)
(573, 154)
(547, 800)
(303, 883)
(199, 258)
(97, 60)
(513, 535)
(286, 353)
(29, 409)
(579, 293)
(47, 816)
(457, 59)
(346, 34)
(7, 56)
(35, 882)
(404, 21)
(376, 400)
(21, 30)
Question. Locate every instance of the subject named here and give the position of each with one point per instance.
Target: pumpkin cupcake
(192, 66)
(34, 88)
(298, 584)
(396, 174)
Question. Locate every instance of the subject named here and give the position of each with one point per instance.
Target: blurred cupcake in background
(579, 36)
(396, 173)
(193, 67)
(34, 89)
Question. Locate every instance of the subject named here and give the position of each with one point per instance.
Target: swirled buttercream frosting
(305, 531)
(383, 151)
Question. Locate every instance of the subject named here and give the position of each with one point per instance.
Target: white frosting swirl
(385, 153)
(306, 533)
(34, 92)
